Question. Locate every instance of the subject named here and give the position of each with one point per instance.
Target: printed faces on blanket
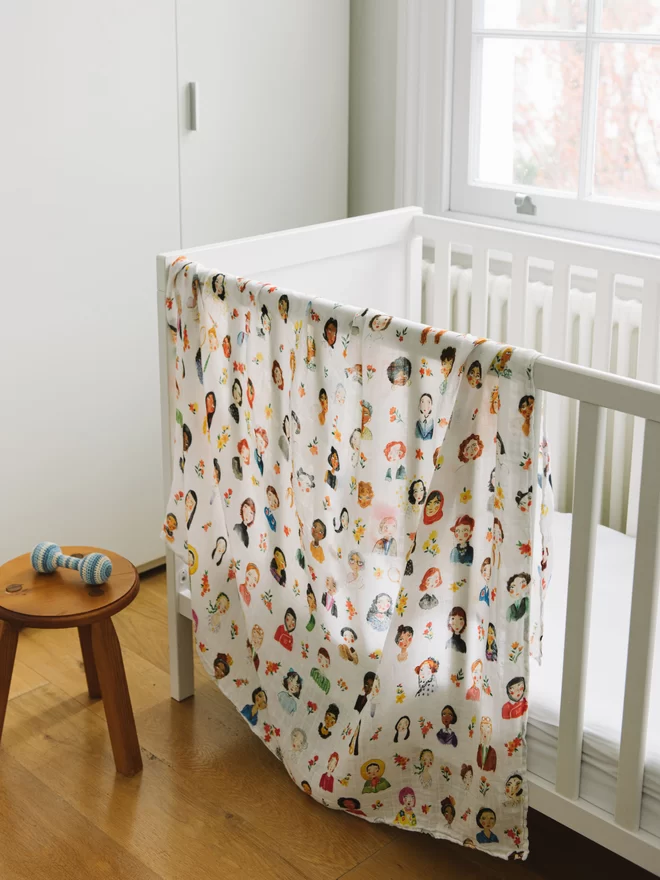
(355, 496)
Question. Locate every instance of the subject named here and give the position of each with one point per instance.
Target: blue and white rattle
(95, 568)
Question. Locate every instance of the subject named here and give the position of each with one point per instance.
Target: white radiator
(626, 320)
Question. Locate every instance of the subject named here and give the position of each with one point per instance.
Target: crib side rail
(595, 391)
(260, 254)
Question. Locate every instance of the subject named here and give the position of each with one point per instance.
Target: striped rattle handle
(95, 568)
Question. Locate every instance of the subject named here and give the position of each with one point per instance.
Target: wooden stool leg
(8, 642)
(93, 686)
(116, 699)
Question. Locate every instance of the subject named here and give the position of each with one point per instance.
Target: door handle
(193, 108)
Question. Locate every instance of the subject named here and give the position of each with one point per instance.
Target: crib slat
(545, 300)
(602, 344)
(479, 301)
(560, 285)
(647, 360)
(439, 313)
(641, 638)
(619, 430)
(635, 476)
(461, 323)
(647, 371)
(557, 407)
(498, 296)
(586, 509)
(585, 336)
(518, 301)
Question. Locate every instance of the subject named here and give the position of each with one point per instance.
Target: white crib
(377, 260)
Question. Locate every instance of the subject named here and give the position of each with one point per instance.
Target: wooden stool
(60, 600)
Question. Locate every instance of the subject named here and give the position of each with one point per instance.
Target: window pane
(628, 124)
(631, 16)
(531, 108)
(552, 15)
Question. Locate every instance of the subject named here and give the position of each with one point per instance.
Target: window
(559, 101)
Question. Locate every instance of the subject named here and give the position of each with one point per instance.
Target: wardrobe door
(88, 197)
(270, 149)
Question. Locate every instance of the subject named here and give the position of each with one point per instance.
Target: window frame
(587, 213)
(434, 89)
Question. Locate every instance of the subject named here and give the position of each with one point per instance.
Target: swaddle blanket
(355, 496)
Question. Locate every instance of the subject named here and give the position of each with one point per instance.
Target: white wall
(91, 193)
(88, 196)
(372, 125)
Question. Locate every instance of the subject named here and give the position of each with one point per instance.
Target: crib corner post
(180, 637)
(414, 272)
(179, 625)
(182, 679)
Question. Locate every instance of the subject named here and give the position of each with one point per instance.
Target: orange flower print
(425, 726)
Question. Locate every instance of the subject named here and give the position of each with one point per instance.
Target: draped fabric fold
(364, 506)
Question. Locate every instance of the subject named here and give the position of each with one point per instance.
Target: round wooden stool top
(61, 599)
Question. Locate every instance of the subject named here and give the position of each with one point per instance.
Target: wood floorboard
(155, 816)
(206, 738)
(24, 678)
(43, 838)
(212, 801)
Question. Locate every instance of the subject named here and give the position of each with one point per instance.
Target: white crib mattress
(608, 644)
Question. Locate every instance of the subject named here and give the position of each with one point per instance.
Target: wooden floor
(212, 802)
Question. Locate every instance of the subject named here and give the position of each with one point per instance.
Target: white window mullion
(589, 105)
(465, 118)
(478, 15)
(595, 19)
(476, 80)
(474, 146)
